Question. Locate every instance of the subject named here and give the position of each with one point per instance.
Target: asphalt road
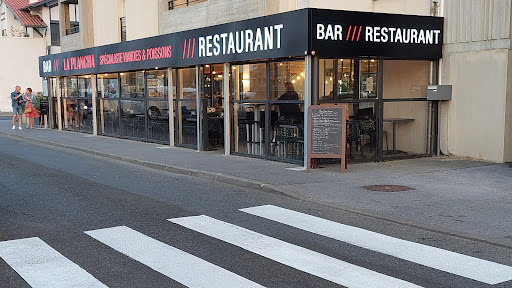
(56, 195)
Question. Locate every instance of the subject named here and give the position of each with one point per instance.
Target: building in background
(22, 42)
(477, 122)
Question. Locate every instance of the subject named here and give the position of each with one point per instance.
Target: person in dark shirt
(289, 111)
(17, 107)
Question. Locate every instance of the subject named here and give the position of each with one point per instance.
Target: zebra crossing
(41, 265)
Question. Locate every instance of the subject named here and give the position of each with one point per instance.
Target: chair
(214, 131)
(286, 135)
(354, 136)
(368, 128)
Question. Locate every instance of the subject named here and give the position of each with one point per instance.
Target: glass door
(212, 100)
(185, 107)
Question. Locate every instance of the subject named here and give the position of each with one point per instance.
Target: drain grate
(388, 188)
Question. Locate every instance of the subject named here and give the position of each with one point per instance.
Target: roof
(39, 3)
(26, 19)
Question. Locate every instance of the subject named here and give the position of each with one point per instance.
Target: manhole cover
(388, 188)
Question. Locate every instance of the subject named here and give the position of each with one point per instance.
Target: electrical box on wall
(439, 92)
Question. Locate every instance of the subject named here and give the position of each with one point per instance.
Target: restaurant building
(245, 87)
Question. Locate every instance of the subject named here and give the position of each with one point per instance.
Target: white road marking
(444, 260)
(42, 266)
(297, 257)
(184, 268)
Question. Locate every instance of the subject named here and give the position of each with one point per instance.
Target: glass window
(73, 13)
(69, 87)
(157, 84)
(187, 84)
(337, 79)
(185, 108)
(287, 81)
(54, 13)
(369, 69)
(268, 120)
(85, 86)
(249, 82)
(108, 85)
(213, 86)
(55, 33)
(344, 84)
(406, 79)
(133, 119)
(132, 84)
(288, 132)
(108, 104)
(108, 117)
(249, 135)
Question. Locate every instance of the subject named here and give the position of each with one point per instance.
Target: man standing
(17, 107)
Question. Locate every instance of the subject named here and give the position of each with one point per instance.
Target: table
(394, 121)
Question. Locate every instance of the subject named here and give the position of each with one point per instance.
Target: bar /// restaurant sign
(327, 33)
(327, 133)
(363, 34)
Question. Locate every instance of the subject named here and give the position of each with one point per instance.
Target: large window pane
(185, 108)
(133, 119)
(108, 114)
(249, 129)
(158, 120)
(132, 85)
(85, 86)
(406, 79)
(108, 86)
(345, 82)
(187, 84)
(213, 76)
(249, 82)
(287, 136)
(405, 128)
(369, 69)
(339, 79)
(85, 115)
(69, 87)
(287, 80)
(185, 119)
(157, 84)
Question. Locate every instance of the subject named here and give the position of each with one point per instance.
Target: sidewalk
(469, 198)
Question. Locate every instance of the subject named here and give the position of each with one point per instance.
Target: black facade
(323, 33)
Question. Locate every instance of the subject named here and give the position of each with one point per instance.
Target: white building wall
(20, 58)
(106, 22)
(414, 7)
(476, 61)
(209, 13)
(142, 18)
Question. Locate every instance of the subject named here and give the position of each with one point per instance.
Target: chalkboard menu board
(44, 107)
(327, 130)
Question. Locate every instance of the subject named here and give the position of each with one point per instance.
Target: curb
(266, 187)
(212, 176)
